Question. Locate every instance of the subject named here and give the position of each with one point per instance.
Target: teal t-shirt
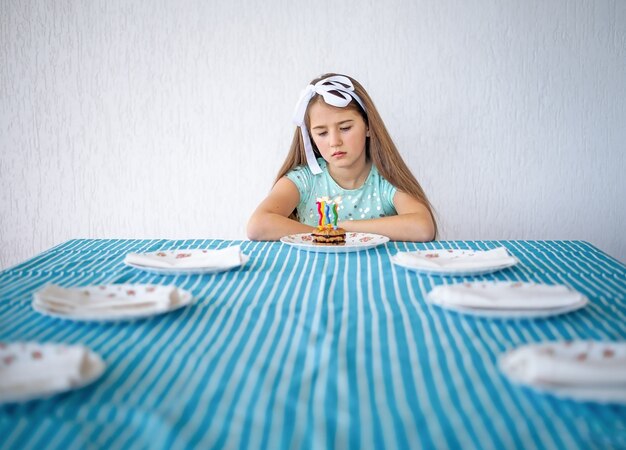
(372, 200)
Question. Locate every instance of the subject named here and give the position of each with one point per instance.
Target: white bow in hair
(336, 91)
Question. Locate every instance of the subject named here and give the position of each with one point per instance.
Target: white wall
(170, 119)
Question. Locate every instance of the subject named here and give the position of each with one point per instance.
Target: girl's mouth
(338, 154)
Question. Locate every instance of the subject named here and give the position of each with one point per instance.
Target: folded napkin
(187, 259)
(112, 299)
(578, 363)
(456, 259)
(504, 295)
(27, 367)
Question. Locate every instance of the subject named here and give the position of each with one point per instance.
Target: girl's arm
(413, 222)
(270, 221)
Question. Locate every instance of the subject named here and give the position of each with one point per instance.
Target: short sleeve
(302, 177)
(387, 191)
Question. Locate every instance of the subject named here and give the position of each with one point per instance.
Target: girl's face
(339, 135)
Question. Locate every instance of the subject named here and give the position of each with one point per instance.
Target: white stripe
(528, 411)
(342, 388)
(311, 365)
(151, 370)
(259, 406)
(590, 258)
(564, 431)
(495, 380)
(287, 347)
(549, 274)
(365, 399)
(23, 322)
(323, 367)
(437, 435)
(134, 380)
(388, 428)
(246, 359)
(22, 426)
(235, 304)
(399, 390)
(36, 260)
(61, 428)
(456, 421)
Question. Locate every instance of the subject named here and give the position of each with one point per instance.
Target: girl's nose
(335, 140)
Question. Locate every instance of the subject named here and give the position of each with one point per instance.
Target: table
(310, 350)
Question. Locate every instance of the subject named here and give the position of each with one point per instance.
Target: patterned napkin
(42, 368)
(188, 259)
(456, 259)
(112, 299)
(577, 363)
(504, 295)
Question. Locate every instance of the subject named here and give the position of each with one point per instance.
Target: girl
(351, 160)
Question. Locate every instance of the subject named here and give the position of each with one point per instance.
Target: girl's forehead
(322, 114)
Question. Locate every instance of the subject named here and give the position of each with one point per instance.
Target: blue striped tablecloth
(310, 350)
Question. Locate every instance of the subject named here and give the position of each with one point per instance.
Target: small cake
(327, 235)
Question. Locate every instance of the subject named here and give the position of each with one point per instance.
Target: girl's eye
(323, 133)
(345, 128)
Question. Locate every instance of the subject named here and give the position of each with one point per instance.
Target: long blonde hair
(379, 148)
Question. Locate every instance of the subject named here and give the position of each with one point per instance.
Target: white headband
(336, 91)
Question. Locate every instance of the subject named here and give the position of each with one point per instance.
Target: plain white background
(170, 119)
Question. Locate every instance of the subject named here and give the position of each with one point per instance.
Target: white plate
(515, 373)
(95, 368)
(514, 313)
(453, 272)
(184, 299)
(188, 271)
(506, 298)
(354, 242)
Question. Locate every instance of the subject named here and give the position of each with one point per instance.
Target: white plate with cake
(334, 241)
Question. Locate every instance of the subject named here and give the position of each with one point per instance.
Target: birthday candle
(319, 210)
(327, 213)
(335, 212)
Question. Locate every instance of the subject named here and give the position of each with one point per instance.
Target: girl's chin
(339, 163)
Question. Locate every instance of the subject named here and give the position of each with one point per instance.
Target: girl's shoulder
(302, 176)
(304, 168)
(303, 171)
